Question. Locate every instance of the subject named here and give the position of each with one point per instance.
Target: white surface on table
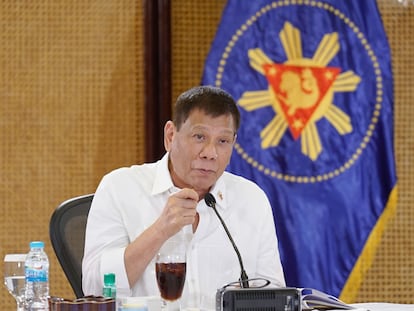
(383, 306)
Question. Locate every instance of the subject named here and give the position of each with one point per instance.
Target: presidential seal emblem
(307, 96)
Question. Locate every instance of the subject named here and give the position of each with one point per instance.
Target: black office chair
(67, 234)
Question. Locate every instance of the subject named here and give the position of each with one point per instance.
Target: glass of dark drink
(170, 270)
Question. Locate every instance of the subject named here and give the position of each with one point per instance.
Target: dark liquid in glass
(170, 279)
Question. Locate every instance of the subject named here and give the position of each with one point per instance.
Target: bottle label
(36, 274)
(109, 291)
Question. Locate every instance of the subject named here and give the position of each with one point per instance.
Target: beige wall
(70, 87)
(71, 94)
(391, 278)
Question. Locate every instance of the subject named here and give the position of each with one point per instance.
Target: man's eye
(199, 136)
(225, 141)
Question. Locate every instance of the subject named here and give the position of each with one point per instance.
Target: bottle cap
(109, 278)
(37, 244)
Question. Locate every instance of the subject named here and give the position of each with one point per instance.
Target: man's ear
(169, 130)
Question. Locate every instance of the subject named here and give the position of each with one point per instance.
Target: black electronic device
(258, 299)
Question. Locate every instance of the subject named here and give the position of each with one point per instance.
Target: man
(137, 209)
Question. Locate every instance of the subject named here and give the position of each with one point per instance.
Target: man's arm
(107, 246)
(179, 211)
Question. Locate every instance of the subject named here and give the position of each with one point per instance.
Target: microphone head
(210, 200)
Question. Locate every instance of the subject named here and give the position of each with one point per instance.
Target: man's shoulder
(132, 171)
(239, 181)
(244, 191)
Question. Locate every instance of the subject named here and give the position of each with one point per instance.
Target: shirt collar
(162, 181)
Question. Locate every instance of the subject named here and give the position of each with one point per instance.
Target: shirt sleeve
(105, 241)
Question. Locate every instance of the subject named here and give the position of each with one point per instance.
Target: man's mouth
(205, 170)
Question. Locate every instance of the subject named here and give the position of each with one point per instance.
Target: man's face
(200, 150)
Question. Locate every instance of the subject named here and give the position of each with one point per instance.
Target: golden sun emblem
(301, 91)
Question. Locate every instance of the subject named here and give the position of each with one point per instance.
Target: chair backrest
(67, 234)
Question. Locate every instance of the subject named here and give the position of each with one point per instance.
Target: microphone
(211, 202)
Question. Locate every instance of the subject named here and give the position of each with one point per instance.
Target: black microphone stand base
(258, 299)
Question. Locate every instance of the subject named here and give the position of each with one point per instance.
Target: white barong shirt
(129, 200)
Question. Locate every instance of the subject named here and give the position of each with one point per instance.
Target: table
(383, 306)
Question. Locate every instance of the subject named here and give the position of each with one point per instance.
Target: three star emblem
(301, 91)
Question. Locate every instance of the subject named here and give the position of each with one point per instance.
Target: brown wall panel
(70, 110)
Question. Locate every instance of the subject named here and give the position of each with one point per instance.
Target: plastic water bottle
(37, 277)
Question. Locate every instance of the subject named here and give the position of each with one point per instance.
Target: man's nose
(209, 151)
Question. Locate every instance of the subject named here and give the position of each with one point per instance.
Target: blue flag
(314, 87)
